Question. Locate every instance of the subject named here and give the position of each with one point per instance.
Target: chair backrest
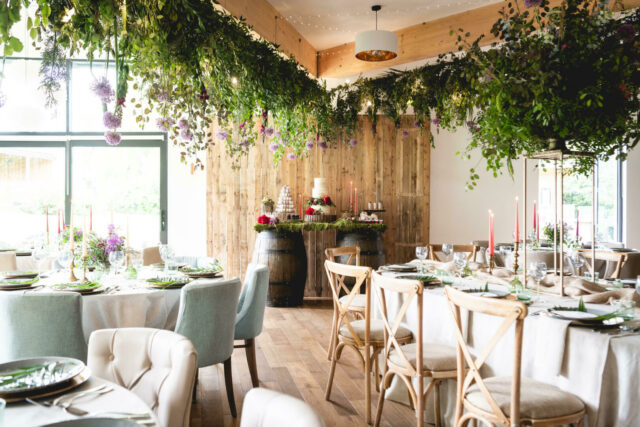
(410, 290)
(617, 257)
(435, 248)
(336, 273)
(268, 408)
(151, 255)
(8, 261)
(159, 366)
(252, 302)
(207, 316)
(41, 324)
(513, 312)
(351, 251)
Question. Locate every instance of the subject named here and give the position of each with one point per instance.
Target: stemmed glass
(166, 253)
(538, 271)
(116, 259)
(38, 253)
(65, 257)
(577, 260)
(460, 260)
(421, 253)
(447, 249)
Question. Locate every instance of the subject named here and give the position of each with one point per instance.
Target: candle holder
(515, 257)
(84, 269)
(492, 263)
(72, 276)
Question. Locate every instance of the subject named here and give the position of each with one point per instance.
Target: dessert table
(598, 367)
(23, 414)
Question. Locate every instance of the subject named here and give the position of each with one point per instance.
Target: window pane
(122, 185)
(24, 110)
(30, 180)
(608, 200)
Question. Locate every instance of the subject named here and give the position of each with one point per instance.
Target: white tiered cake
(319, 191)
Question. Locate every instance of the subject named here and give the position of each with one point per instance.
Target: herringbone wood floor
(292, 358)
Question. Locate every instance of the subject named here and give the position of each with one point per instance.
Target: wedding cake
(319, 191)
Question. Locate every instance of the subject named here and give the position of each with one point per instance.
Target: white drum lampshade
(376, 45)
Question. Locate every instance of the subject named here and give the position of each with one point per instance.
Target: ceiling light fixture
(376, 45)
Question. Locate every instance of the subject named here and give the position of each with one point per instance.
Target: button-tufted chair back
(268, 408)
(159, 366)
(8, 261)
(252, 302)
(207, 316)
(41, 324)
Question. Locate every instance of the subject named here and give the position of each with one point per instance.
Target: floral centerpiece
(99, 248)
(314, 205)
(548, 231)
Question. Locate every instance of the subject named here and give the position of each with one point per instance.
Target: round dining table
(112, 404)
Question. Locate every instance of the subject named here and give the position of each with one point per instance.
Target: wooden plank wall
(387, 166)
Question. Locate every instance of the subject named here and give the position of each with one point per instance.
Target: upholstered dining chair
(365, 336)
(614, 260)
(151, 255)
(357, 303)
(268, 408)
(8, 261)
(498, 400)
(159, 366)
(471, 249)
(41, 324)
(417, 361)
(251, 314)
(207, 316)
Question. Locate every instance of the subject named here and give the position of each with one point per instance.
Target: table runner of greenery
(341, 225)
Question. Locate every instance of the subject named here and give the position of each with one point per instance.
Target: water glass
(538, 271)
(421, 253)
(65, 258)
(460, 260)
(116, 259)
(594, 277)
(166, 253)
(447, 249)
(624, 308)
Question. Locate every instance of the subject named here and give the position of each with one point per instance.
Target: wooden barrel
(285, 255)
(371, 247)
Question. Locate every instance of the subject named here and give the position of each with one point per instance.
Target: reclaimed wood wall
(387, 167)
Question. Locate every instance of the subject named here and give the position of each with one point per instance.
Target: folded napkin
(500, 276)
(432, 265)
(590, 292)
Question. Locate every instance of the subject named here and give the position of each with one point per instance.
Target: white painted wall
(460, 216)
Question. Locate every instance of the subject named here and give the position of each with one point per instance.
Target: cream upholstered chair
(151, 255)
(417, 361)
(497, 400)
(472, 249)
(357, 303)
(8, 261)
(159, 366)
(268, 408)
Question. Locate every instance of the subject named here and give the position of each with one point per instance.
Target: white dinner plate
(65, 369)
(577, 315)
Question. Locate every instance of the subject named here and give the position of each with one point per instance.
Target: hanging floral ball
(405, 133)
(353, 142)
(222, 134)
(186, 135)
(436, 120)
(268, 132)
(112, 138)
(309, 145)
(102, 89)
(323, 145)
(291, 156)
(164, 123)
(274, 147)
(183, 124)
(111, 121)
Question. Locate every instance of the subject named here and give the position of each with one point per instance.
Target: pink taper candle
(538, 228)
(577, 223)
(535, 226)
(351, 193)
(491, 240)
(47, 220)
(355, 206)
(517, 236)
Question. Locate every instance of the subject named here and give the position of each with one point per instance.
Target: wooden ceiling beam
(269, 24)
(426, 40)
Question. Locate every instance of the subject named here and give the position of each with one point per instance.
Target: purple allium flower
(323, 145)
(273, 220)
(278, 134)
(268, 132)
(78, 233)
(405, 133)
(162, 96)
(222, 134)
(627, 32)
(112, 138)
(532, 3)
(436, 120)
(111, 228)
(183, 124)
(164, 123)
(102, 89)
(291, 156)
(309, 145)
(274, 147)
(111, 121)
(416, 124)
(353, 142)
(244, 143)
(186, 135)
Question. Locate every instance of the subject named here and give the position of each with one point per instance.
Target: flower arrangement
(268, 220)
(99, 248)
(548, 231)
(324, 201)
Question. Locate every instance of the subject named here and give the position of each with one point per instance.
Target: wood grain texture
(386, 167)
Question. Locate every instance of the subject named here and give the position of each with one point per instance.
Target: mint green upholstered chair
(251, 314)
(41, 324)
(207, 316)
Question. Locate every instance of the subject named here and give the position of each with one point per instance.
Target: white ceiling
(328, 23)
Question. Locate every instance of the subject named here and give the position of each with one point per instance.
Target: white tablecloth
(600, 369)
(22, 414)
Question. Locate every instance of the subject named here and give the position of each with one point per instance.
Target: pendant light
(376, 45)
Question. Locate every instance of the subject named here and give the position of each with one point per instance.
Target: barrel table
(371, 247)
(284, 253)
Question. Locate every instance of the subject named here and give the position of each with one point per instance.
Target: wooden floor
(292, 358)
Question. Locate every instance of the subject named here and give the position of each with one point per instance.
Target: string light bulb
(234, 81)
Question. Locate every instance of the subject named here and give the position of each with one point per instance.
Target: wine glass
(65, 257)
(447, 249)
(421, 253)
(166, 253)
(538, 271)
(577, 260)
(116, 259)
(460, 260)
(38, 253)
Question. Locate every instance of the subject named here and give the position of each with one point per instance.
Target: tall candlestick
(47, 220)
(351, 193)
(535, 226)
(355, 201)
(517, 235)
(84, 237)
(90, 217)
(491, 238)
(58, 221)
(300, 197)
(538, 229)
(126, 251)
(71, 234)
(577, 223)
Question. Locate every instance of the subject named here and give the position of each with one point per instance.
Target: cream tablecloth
(120, 399)
(600, 369)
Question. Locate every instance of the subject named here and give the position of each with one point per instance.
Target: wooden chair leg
(383, 388)
(367, 383)
(376, 369)
(334, 333)
(228, 382)
(195, 386)
(436, 402)
(332, 371)
(250, 352)
(420, 406)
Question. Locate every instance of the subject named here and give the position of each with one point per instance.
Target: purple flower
(309, 145)
(274, 147)
(164, 123)
(112, 138)
(278, 134)
(353, 142)
(405, 133)
(244, 143)
(186, 135)
(111, 121)
(532, 3)
(436, 120)
(416, 124)
(222, 134)
(102, 89)
(163, 96)
(183, 124)
(273, 220)
(291, 156)
(268, 132)
(111, 228)
(323, 145)
(627, 32)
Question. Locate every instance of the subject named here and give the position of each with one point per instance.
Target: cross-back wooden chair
(419, 360)
(615, 257)
(497, 400)
(472, 249)
(357, 303)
